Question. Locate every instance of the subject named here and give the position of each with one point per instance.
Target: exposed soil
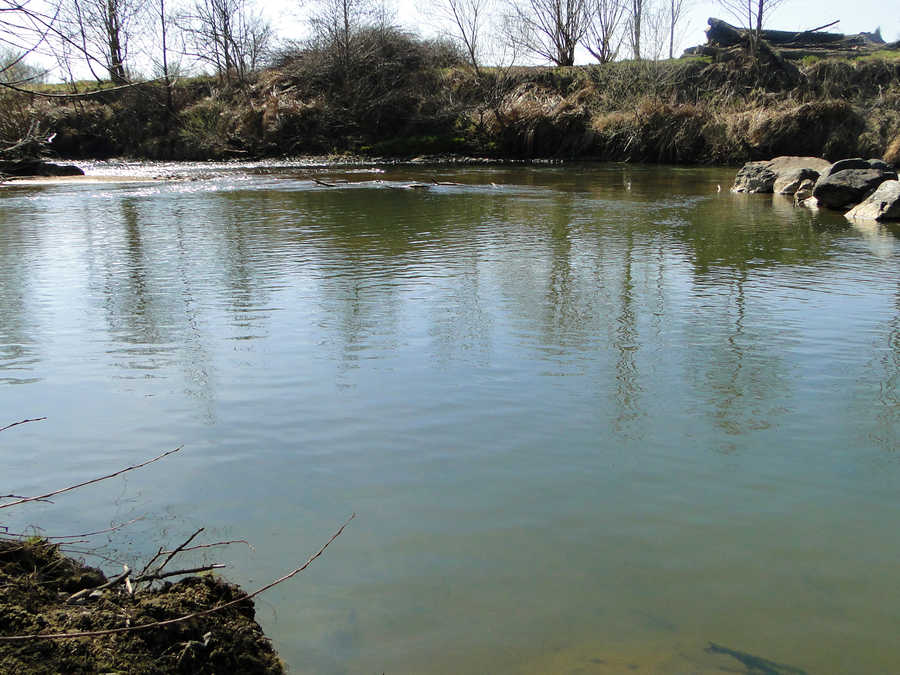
(36, 580)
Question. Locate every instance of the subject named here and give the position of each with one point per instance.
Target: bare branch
(15, 424)
(92, 481)
(214, 544)
(193, 570)
(175, 552)
(73, 536)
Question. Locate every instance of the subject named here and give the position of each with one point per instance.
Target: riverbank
(41, 596)
(723, 109)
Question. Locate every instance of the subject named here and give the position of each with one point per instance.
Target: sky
(855, 16)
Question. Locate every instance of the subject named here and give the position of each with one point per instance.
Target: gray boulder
(883, 204)
(789, 181)
(761, 176)
(849, 186)
(754, 177)
(880, 164)
(844, 164)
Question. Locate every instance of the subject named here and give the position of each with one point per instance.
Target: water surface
(591, 418)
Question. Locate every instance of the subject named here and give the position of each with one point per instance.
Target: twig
(21, 497)
(76, 536)
(175, 552)
(322, 182)
(89, 482)
(15, 424)
(215, 543)
(186, 617)
(156, 575)
(94, 534)
(90, 553)
(162, 551)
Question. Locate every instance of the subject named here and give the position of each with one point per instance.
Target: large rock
(848, 187)
(883, 204)
(761, 176)
(36, 167)
(754, 177)
(788, 181)
(844, 164)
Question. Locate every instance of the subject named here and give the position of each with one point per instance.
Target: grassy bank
(412, 97)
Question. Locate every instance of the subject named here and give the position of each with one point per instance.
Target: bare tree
(231, 36)
(337, 25)
(635, 24)
(752, 15)
(549, 29)
(16, 69)
(604, 33)
(158, 45)
(103, 30)
(676, 14)
(468, 19)
(655, 30)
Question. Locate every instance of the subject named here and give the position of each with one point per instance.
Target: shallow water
(591, 418)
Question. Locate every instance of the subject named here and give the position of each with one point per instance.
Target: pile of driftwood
(792, 44)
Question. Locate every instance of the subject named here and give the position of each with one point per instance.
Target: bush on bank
(401, 96)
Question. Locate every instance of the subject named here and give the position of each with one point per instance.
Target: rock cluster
(869, 188)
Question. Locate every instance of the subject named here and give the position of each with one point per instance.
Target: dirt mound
(37, 580)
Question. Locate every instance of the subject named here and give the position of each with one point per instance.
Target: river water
(591, 419)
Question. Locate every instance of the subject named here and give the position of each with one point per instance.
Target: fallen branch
(89, 482)
(186, 617)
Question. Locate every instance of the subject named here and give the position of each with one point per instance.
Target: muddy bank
(38, 583)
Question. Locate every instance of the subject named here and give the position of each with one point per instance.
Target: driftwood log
(792, 44)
